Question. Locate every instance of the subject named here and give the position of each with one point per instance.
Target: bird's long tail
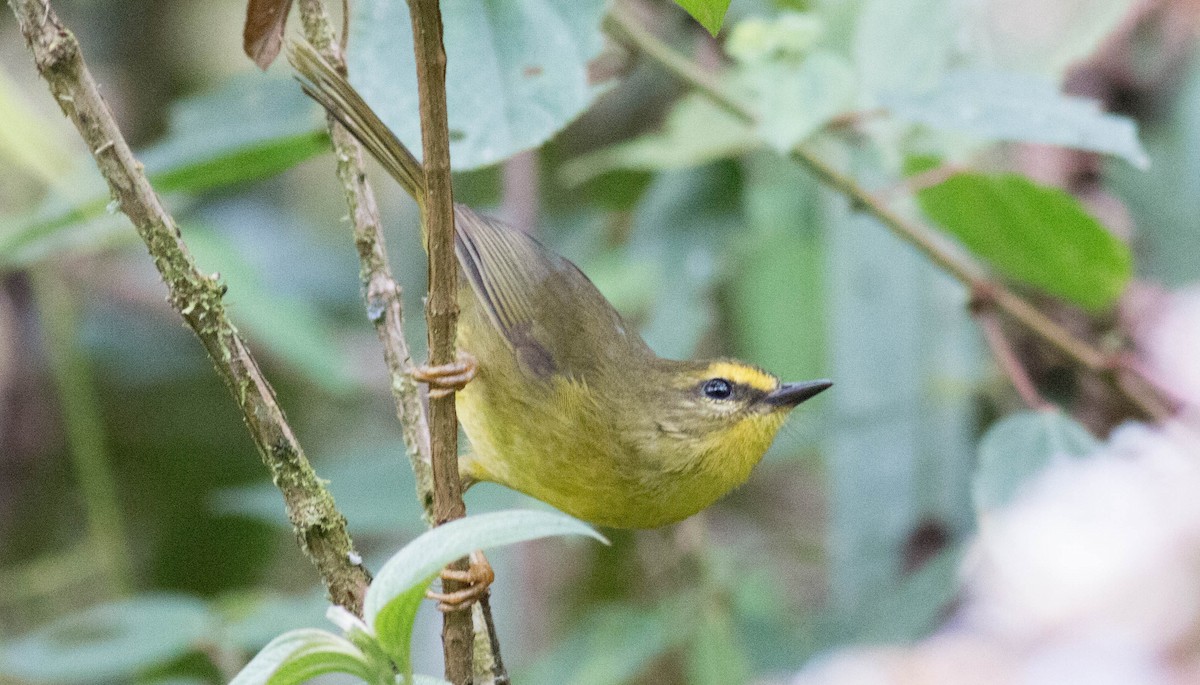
(332, 91)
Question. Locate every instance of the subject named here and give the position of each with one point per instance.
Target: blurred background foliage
(140, 540)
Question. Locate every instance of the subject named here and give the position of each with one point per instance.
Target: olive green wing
(547, 310)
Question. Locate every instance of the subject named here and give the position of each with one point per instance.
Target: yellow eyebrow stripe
(741, 374)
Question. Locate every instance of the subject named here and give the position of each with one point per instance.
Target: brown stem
(381, 293)
(982, 309)
(319, 526)
(442, 306)
(626, 29)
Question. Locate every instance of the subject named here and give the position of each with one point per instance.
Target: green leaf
(1039, 37)
(1010, 106)
(364, 483)
(250, 128)
(710, 13)
(399, 587)
(777, 296)
(1165, 200)
(28, 139)
(795, 100)
(680, 226)
(1019, 447)
(1033, 234)
(696, 132)
(300, 655)
(904, 47)
(516, 71)
(110, 641)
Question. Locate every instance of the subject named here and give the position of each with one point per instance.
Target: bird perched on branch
(564, 401)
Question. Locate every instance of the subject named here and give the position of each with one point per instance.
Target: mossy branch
(381, 293)
(384, 306)
(320, 528)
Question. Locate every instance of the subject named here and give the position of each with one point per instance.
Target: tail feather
(332, 91)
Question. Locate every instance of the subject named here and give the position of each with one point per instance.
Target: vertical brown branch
(382, 295)
(442, 306)
(320, 528)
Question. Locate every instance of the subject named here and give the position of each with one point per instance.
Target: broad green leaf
(696, 132)
(516, 71)
(1165, 199)
(710, 13)
(399, 587)
(110, 641)
(373, 488)
(794, 100)
(300, 655)
(1040, 37)
(904, 47)
(1010, 106)
(1033, 234)
(85, 220)
(1019, 447)
(787, 36)
(27, 139)
(251, 128)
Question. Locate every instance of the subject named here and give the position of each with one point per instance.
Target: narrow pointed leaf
(710, 13)
(392, 600)
(299, 655)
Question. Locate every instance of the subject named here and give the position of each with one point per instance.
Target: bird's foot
(477, 578)
(447, 378)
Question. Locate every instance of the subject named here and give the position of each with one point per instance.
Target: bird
(559, 397)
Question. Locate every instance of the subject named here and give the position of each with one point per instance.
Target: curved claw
(447, 378)
(478, 579)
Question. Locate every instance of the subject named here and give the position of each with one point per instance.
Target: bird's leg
(478, 578)
(447, 378)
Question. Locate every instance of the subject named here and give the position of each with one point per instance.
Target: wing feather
(545, 308)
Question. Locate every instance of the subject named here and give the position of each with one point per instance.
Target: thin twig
(381, 293)
(982, 310)
(626, 29)
(319, 526)
(442, 306)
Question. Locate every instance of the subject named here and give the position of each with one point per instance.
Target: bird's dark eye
(718, 389)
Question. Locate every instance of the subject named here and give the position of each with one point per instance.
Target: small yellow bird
(569, 405)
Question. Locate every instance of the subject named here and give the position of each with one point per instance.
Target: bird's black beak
(792, 394)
